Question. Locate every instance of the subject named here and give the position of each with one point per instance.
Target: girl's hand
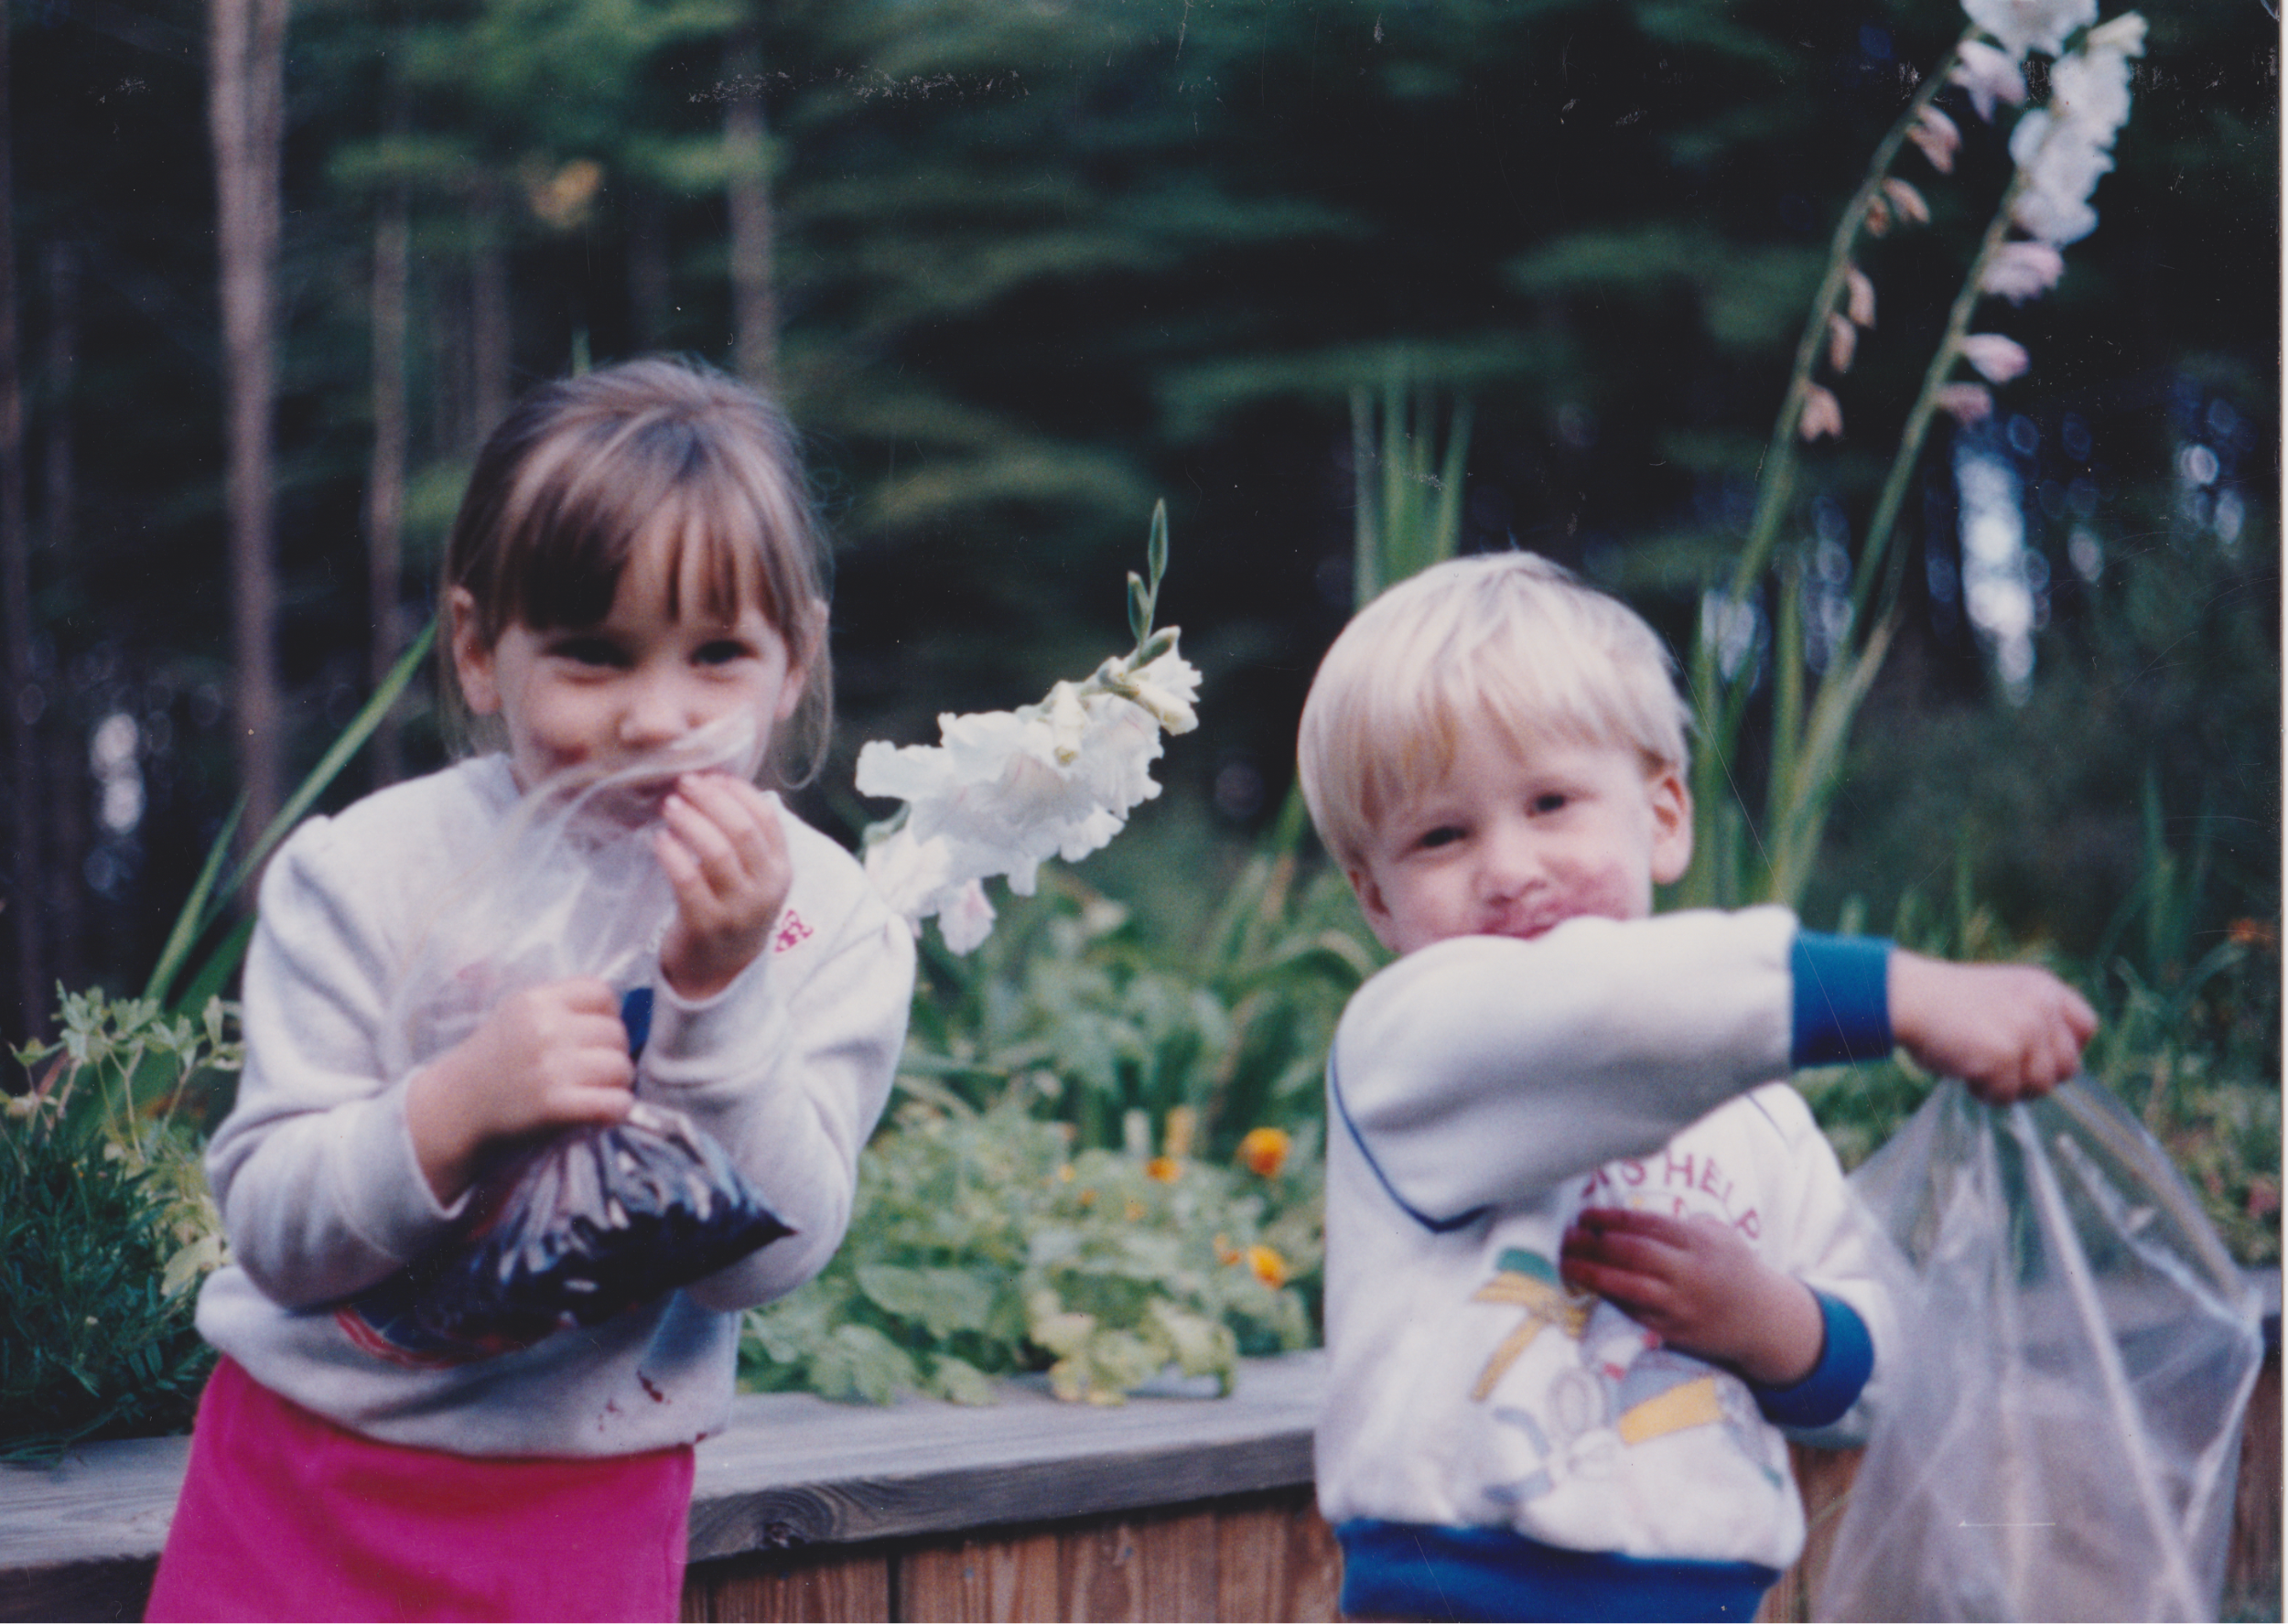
(550, 1056)
(1699, 1284)
(2010, 1031)
(725, 854)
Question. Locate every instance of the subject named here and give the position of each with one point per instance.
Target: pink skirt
(286, 1515)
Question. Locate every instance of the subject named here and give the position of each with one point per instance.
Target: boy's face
(1514, 842)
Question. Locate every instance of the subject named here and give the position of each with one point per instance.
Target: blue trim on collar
(1842, 1002)
(1418, 1570)
(1847, 1358)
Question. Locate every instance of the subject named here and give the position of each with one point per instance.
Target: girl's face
(606, 696)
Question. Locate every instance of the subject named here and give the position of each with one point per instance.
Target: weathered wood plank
(795, 1586)
(2252, 1558)
(1008, 1578)
(797, 1471)
(1276, 1558)
(91, 1590)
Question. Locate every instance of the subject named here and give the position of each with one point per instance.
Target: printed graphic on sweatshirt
(1622, 1388)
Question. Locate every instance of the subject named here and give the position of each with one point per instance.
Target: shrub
(105, 1226)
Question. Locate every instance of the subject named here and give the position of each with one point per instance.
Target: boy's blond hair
(1508, 639)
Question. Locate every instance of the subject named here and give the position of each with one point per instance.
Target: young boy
(1585, 1259)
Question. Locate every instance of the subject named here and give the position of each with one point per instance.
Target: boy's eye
(1549, 800)
(1444, 834)
(722, 651)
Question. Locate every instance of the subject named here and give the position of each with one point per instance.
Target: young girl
(632, 562)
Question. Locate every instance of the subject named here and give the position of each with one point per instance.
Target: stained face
(606, 696)
(1514, 843)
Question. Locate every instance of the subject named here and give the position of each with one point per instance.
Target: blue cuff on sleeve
(1842, 998)
(1847, 1358)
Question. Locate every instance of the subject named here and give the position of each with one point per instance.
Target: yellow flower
(1264, 1152)
(1167, 1169)
(1268, 1265)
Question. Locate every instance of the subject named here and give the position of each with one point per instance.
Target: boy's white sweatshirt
(1482, 1092)
(321, 1195)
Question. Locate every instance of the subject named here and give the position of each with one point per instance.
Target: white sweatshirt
(1482, 1092)
(322, 1197)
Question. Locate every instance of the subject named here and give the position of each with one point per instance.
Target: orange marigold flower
(1268, 1265)
(1264, 1151)
(2250, 933)
(1165, 1168)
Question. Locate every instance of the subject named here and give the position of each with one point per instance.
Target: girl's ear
(798, 673)
(1672, 825)
(472, 656)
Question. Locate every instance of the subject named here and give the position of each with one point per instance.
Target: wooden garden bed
(1163, 1508)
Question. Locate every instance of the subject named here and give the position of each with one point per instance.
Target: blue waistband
(1416, 1570)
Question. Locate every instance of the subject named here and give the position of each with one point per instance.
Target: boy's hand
(550, 1056)
(2010, 1031)
(1701, 1286)
(725, 854)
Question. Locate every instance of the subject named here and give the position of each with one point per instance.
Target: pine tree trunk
(489, 333)
(23, 700)
(67, 780)
(246, 106)
(385, 482)
(754, 307)
(649, 291)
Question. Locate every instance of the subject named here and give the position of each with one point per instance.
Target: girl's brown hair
(584, 468)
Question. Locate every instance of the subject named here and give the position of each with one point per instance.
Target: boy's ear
(1672, 825)
(472, 656)
(1371, 902)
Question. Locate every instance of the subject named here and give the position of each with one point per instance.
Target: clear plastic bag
(2060, 1437)
(595, 1219)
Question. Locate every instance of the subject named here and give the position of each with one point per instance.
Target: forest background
(1023, 267)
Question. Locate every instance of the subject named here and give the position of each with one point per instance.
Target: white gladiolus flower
(2020, 25)
(2065, 148)
(1997, 358)
(967, 917)
(2022, 271)
(1990, 76)
(1006, 790)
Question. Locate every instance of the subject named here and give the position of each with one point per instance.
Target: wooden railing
(1163, 1508)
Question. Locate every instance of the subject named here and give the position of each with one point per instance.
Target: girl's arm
(790, 1065)
(315, 1171)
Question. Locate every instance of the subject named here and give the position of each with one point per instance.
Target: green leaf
(944, 1300)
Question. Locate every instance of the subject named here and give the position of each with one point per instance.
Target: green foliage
(105, 1225)
(1072, 996)
(982, 1245)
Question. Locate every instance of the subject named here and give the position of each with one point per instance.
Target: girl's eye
(589, 651)
(722, 651)
(1444, 834)
(1549, 800)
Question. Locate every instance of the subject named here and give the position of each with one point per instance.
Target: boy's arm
(1483, 1070)
(2010, 1031)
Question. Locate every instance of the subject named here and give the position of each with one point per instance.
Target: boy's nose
(1509, 865)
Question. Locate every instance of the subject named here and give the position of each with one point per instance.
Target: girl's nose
(655, 714)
